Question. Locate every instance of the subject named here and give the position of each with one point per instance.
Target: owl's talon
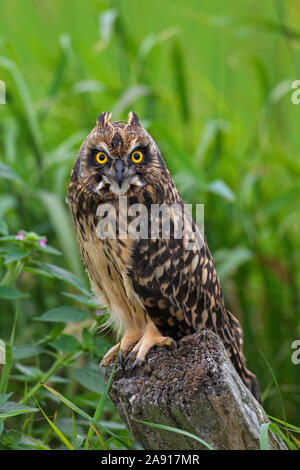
(101, 369)
(129, 356)
(137, 363)
(122, 360)
(110, 356)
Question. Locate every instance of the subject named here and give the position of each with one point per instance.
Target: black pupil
(137, 156)
(101, 156)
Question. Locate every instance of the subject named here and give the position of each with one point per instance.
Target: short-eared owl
(156, 288)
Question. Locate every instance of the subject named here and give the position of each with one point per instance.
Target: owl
(157, 288)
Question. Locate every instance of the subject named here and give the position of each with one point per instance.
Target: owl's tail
(251, 382)
(238, 359)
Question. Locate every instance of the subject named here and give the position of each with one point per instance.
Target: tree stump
(194, 388)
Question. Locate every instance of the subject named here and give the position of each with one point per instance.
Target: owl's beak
(119, 167)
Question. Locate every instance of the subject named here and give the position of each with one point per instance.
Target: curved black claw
(128, 358)
(102, 369)
(122, 361)
(136, 363)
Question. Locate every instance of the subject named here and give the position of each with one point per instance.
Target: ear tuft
(133, 120)
(103, 119)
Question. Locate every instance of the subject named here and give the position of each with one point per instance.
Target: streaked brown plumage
(156, 290)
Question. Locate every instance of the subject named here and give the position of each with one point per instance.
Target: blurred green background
(211, 82)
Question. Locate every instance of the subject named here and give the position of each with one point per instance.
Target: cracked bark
(194, 388)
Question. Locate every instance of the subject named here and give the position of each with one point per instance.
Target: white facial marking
(137, 182)
(99, 186)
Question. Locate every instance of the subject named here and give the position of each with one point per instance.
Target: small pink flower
(20, 236)
(43, 242)
(99, 312)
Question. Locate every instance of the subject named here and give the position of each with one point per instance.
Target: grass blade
(276, 385)
(179, 431)
(33, 125)
(284, 423)
(83, 414)
(59, 434)
(101, 403)
(180, 81)
(277, 431)
(263, 436)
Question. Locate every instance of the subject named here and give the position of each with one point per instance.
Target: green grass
(212, 84)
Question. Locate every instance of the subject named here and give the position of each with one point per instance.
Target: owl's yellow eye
(101, 157)
(137, 156)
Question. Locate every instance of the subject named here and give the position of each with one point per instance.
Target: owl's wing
(177, 283)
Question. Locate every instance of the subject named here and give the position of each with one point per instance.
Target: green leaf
(229, 260)
(83, 299)
(10, 440)
(154, 39)
(10, 293)
(26, 350)
(87, 340)
(263, 436)
(65, 314)
(56, 331)
(39, 272)
(50, 249)
(66, 343)
(77, 441)
(90, 379)
(210, 132)
(10, 238)
(220, 188)
(3, 227)
(4, 398)
(128, 97)
(86, 86)
(8, 173)
(65, 150)
(64, 275)
(15, 254)
(30, 371)
(10, 408)
(101, 346)
(38, 443)
(106, 25)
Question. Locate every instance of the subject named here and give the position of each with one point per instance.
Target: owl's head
(118, 158)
